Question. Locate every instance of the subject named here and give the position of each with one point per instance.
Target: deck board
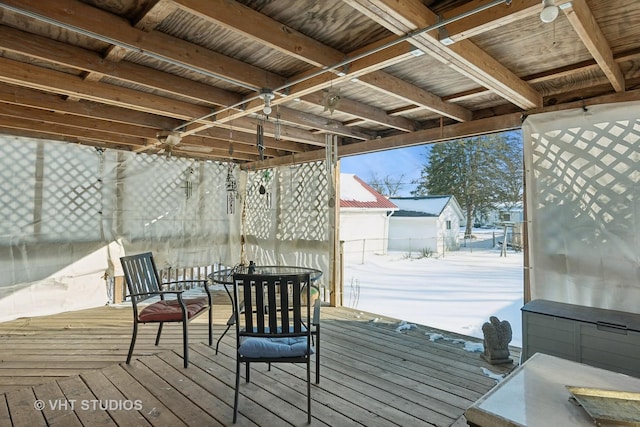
(371, 375)
(56, 416)
(105, 390)
(21, 409)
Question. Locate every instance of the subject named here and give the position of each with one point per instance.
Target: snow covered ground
(457, 293)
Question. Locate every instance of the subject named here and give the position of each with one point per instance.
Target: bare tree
(387, 186)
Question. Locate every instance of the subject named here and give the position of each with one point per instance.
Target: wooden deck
(371, 375)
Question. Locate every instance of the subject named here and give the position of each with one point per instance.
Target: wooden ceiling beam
(17, 95)
(583, 22)
(258, 27)
(44, 132)
(153, 39)
(35, 77)
(367, 113)
(244, 132)
(154, 14)
(211, 154)
(242, 151)
(70, 131)
(59, 53)
(247, 138)
(241, 144)
(463, 57)
(487, 20)
(399, 88)
(149, 19)
(37, 134)
(70, 56)
(433, 135)
(289, 134)
(9, 110)
(92, 20)
(320, 123)
(567, 73)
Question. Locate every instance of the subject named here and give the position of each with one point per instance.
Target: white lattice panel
(259, 205)
(18, 189)
(292, 204)
(305, 201)
(71, 193)
(287, 221)
(583, 197)
(67, 193)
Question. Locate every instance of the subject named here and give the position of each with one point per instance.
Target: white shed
(364, 217)
(428, 224)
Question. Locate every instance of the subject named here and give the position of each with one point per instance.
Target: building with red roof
(364, 217)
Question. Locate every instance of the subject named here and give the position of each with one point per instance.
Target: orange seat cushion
(168, 311)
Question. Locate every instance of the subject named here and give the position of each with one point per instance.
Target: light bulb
(549, 11)
(266, 95)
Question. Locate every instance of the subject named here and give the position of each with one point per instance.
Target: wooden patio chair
(272, 324)
(144, 282)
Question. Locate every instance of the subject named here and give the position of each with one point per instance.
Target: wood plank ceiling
(121, 74)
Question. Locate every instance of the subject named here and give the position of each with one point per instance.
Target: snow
(456, 293)
(493, 375)
(351, 189)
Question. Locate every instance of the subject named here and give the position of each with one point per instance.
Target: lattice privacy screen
(68, 212)
(286, 218)
(583, 202)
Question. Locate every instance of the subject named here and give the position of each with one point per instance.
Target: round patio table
(225, 277)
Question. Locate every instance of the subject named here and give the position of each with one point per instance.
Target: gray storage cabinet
(606, 339)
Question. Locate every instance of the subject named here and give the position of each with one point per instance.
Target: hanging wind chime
(231, 184)
(188, 184)
(232, 189)
(277, 132)
(260, 140)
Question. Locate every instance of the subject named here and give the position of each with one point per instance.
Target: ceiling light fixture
(549, 11)
(267, 95)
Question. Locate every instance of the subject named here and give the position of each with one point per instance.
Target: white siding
(413, 234)
(363, 230)
(449, 238)
(416, 234)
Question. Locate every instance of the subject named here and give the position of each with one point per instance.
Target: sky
(458, 292)
(400, 162)
(406, 162)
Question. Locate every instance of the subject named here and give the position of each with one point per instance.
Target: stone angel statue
(497, 336)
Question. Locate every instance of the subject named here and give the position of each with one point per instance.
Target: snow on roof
(421, 206)
(355, 193)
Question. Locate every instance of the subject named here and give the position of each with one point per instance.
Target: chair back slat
(141, 275)
(284, 298)
(297, 313)
(272, 304)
